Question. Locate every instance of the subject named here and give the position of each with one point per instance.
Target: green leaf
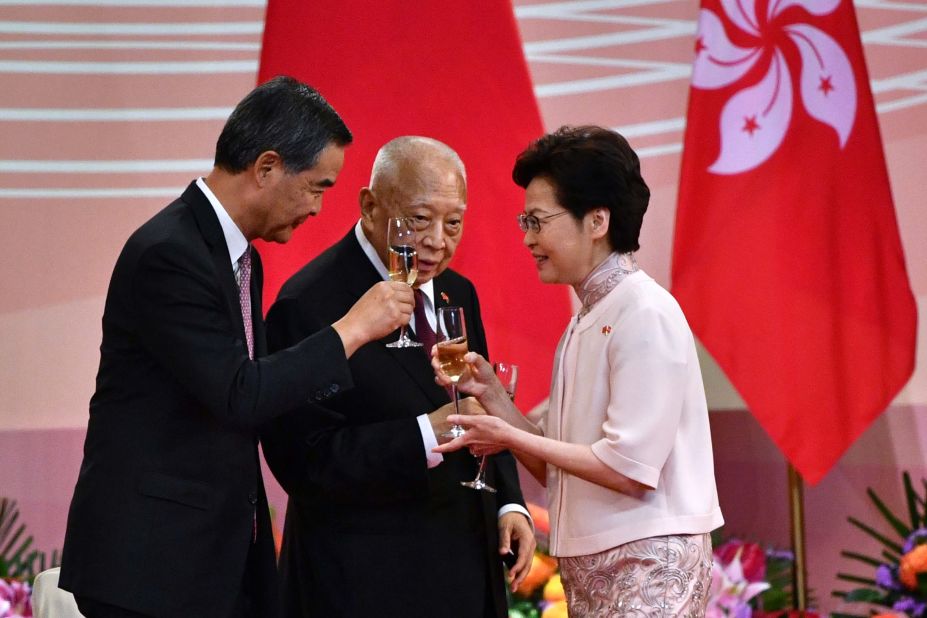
(18, 556)
(17, 559)
(861, 558)
(835, 615)
(847, 577)
(889, 544)
(911, 498)
(864, 595)
(902, 530)
(922, 584)
(775, 599)
(890, 557)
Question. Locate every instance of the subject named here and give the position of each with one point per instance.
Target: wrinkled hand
(438, 418)
(515, 531)
(486, 435)
(382, 309)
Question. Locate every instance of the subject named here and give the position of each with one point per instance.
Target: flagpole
(797, 518)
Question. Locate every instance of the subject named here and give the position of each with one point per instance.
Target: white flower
(755, 120)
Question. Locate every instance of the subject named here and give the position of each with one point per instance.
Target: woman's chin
(546, 276)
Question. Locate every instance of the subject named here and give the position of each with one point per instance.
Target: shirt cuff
(430, 440)
(517, 508)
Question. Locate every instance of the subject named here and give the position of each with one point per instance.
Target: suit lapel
(442, 298)
(219, 252)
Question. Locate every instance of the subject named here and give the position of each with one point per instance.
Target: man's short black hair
(283, 115)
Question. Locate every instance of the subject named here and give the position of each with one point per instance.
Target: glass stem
(482, 470)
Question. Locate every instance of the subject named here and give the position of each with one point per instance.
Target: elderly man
(376, 523)
(169, 516)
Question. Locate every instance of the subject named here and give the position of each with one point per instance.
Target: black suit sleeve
(319, 452)
(184, 324)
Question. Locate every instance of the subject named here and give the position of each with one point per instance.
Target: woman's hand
(486, 435)
(478, 380)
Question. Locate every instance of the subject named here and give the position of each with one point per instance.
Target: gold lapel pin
(606, 330)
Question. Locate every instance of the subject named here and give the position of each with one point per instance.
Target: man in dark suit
(377, 524)
(169, 516)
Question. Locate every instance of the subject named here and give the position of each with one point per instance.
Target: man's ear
(267, 164)
(368, 203)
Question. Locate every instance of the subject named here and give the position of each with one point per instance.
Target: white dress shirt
(234, 239)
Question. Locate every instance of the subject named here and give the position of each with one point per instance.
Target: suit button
(318, 395)
(252, 498)
(335, 388)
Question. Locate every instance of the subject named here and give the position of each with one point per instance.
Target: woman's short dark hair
(283, 115)
(591, 167)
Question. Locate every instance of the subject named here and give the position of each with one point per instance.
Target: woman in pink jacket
(624, 448)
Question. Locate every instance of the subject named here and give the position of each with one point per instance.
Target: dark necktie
(244, 297)
(423, 331)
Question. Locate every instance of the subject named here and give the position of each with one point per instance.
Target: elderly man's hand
(515, 531)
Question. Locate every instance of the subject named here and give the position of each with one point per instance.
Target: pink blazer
(627, 382)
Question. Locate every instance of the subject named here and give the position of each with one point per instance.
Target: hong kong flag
(452, 71)
(787, 259)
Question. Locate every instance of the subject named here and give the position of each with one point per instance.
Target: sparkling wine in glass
(452, 345)
(508, 376)
(402, 266)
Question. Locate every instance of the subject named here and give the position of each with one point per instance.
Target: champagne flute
(508, 376)
(452, 345)
(403, 266)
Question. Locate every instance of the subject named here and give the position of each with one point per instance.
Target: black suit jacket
(169, 493)
(369, 529)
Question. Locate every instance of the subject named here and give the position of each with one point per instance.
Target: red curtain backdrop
(452, 71)
(787, 259)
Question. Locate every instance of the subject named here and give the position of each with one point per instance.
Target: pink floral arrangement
(15, 599)
(736, 577)
(750, 582)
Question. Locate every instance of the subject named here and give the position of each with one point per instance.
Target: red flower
(752, 558)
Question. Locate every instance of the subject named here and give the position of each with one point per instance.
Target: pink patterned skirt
(665, 577)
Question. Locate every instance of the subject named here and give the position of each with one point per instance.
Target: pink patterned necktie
(244, 297)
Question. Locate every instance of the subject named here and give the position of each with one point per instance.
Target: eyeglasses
(532, 223)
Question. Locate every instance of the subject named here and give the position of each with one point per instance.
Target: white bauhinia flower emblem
(754, 121)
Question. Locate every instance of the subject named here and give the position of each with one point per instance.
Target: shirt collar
(427, 288)
(234, 239)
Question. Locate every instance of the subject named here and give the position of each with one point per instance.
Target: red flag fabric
(455, 72)
(787, 258)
